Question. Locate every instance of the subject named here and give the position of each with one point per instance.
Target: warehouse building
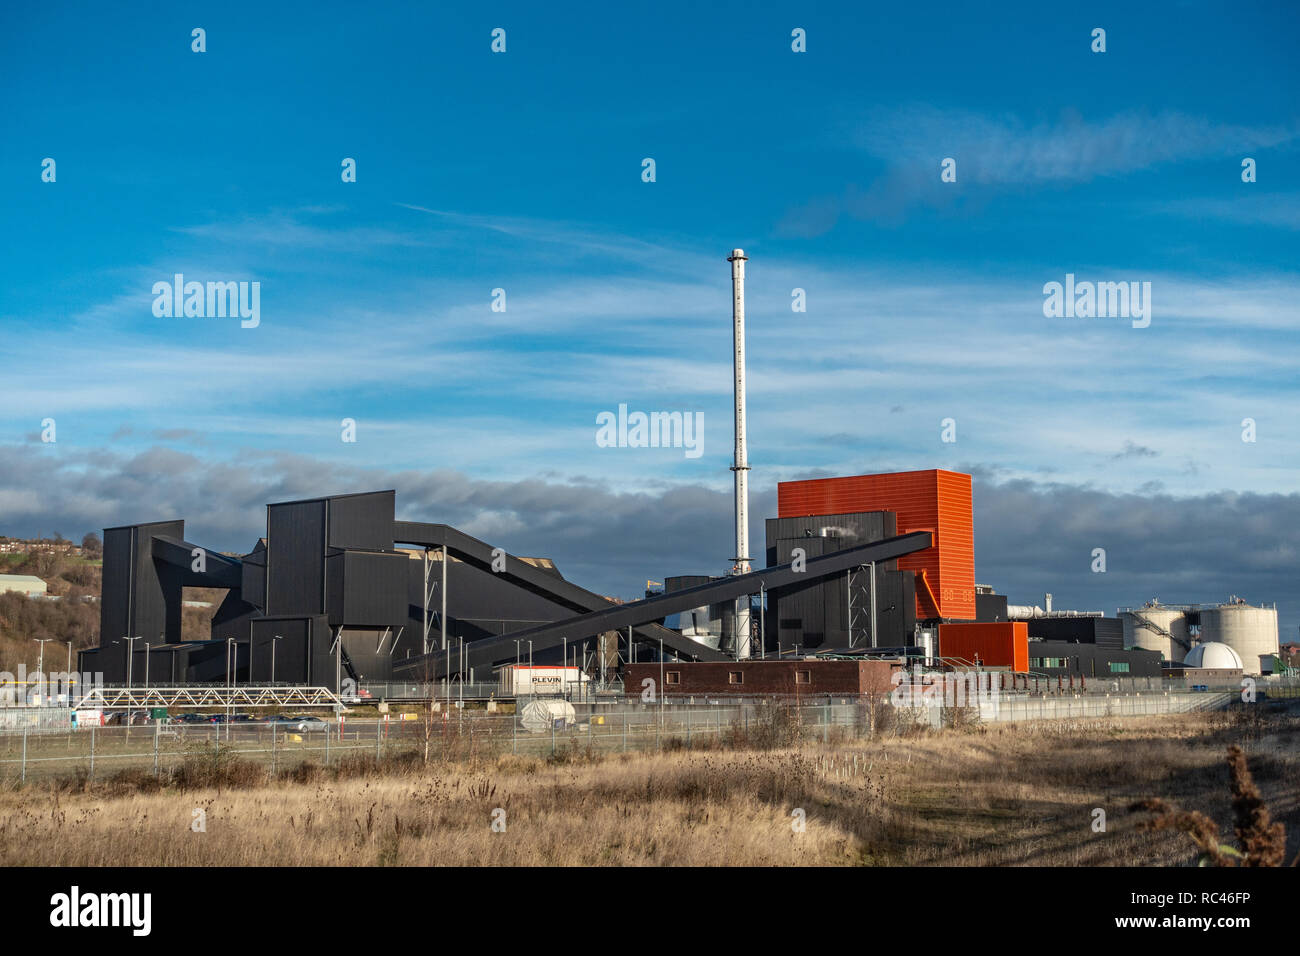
(27, 584)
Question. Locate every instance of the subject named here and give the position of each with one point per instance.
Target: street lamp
(273, 640)
(40, 664)
(130, 657)
(146, 665)
(232, 657)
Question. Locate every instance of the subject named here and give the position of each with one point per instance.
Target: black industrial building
(338, 588)
(1101, 631)
(837, 612)
(1081, 659)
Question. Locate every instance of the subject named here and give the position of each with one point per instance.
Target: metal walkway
(113, 698)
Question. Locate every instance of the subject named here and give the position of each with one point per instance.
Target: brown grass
(1001, 795)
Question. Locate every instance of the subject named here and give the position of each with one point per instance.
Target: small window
(735, 677)
(803, 677)
(673, 677)
(1119, 667)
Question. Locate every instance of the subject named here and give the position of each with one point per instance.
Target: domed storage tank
(1215, 656)
(1249, 630)
(1167, 621)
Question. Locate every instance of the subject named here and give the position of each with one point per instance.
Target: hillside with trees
(76, 581)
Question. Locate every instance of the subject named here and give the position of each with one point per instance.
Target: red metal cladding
(937, 501)
(1000, 644)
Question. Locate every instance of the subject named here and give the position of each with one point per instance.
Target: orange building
(1003, 644)
(937, 501)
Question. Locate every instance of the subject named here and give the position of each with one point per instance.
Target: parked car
(305, 723)
(191, 718)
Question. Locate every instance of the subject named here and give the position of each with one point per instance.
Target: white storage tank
(1150, 628)
(1249, 630)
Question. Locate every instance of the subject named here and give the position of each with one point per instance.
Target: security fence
(555, 730)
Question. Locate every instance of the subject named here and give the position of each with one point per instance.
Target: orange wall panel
(936, 500)
(1001, 644)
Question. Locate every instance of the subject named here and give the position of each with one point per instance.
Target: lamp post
(146, 665)
(130, 658)
(40, 663)
(232, 656)
(273, 640)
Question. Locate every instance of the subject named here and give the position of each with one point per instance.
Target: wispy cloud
(1005, 151)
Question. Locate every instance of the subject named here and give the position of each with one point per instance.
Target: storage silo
(1157, 628)
(1249, 630)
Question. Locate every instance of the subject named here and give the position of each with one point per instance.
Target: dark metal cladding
(141, 597)
(295, 552)
(298, 659)
(362, 522)
(814, 614)
(546, 584)
(991, 608)
(1101, 631)
(482, 604)
(367, 588)
(328, 582)
(1065, 658)
(487, 652)
(253, 581)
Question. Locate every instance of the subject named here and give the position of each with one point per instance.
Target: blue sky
(522, 171)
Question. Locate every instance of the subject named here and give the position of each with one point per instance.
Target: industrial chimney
(740, 467)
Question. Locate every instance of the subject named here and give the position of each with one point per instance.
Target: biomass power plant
(338, 592)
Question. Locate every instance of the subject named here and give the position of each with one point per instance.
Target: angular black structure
(837, 611)
(329, 594)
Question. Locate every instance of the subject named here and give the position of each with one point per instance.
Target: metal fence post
(688, 728)
(552, 735)
(25, 748)
(274, 764)
(625, 729)
(157, 729)
(92, 752)
(379, 726)
(826, 721)
(327, 745)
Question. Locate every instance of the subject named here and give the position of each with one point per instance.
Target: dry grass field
(1000, 795)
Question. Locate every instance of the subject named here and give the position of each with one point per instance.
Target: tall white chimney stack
(740, 467)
